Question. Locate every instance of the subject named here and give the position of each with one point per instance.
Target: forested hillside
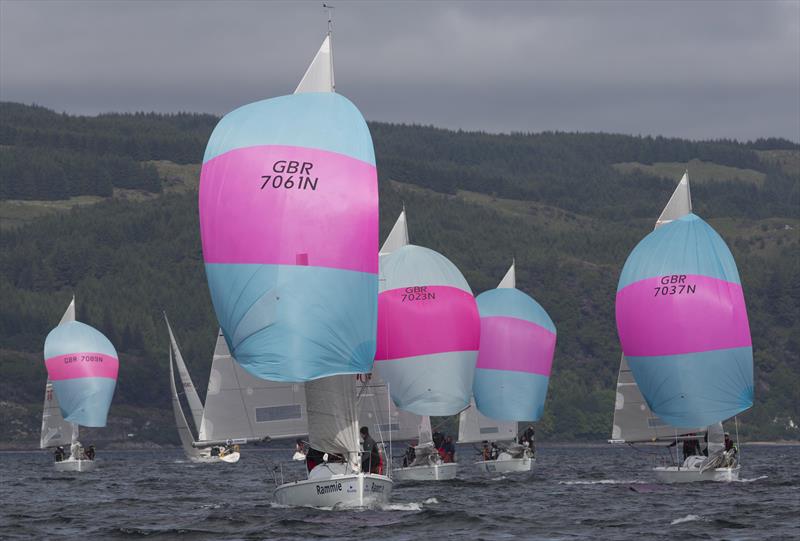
(569, 207)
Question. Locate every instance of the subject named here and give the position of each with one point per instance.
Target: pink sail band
(422, 320)
(282, 205)
(689, 315)
(82, 365)
(509, 343)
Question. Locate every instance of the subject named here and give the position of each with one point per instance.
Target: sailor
(449, 450)
(495, 452)
(437, 438)
(370, 458)
(76, 450)
(486, 453)
(729, 443)
(410, 456)
(90, 453)
(691, 446)
(528, 436)
(314, 458)
(59, 454)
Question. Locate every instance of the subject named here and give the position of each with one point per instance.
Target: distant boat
(425, 463)
(512, 373)
(682, 323)
(239, 408)
(289, 227)
(82, 367)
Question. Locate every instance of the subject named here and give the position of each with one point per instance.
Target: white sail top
(69, 314)
(184, 432)
(680, 204)
(319, 75)
(241, 406)
(55, 430)
(398, 236)
(195, 405)
(475, 427)
(333, 417)
(509, 281)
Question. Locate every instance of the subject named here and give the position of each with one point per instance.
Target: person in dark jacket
(370, 457)
(59, 454)
(449, 449)
(90, 453)
(528, 436)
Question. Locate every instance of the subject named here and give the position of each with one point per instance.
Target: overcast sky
(689, 69)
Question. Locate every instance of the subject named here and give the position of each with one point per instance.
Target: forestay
(240, 406)
(475, 427)
(428, 333)
(683, 324)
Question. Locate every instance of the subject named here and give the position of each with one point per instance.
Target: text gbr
(290, 175)
(674, 284)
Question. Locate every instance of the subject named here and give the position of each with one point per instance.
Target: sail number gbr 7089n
(674, 284)
(290, 175)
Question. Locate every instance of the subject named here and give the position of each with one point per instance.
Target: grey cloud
(693, 69)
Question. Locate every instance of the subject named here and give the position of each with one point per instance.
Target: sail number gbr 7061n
(674, 284)
(290, 175)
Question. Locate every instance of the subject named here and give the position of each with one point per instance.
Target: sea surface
(574, 492)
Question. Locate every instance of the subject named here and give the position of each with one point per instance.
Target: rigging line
(241, 396)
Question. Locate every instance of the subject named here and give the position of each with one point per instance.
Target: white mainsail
(475, 427)
(633, 420)
(55, 430)
(333, 417)
(240, 406)
(319, 75)
(509, 281)
(184, 432)
(192, 398)
(398, 236)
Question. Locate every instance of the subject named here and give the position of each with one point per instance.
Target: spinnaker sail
(683, 323)
(289, 227)
(517, 344)
(429, 332)
(82, 366)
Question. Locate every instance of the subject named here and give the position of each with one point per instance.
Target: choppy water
(573, 492)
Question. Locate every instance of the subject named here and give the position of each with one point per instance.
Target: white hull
(71, 464)
(428, 472)
(231, 458)
(346, 490)
(509, 465)
(673, 474)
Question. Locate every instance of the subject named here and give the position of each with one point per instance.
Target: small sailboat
(289, 228)
(687, 352)
(515, 359)
(82, 367)
(428, 333)
(239, 408)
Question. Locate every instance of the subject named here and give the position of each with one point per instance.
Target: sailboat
(289, 228)
(687, 352)
(82, 367)
(239, 408)
(518, 341)
(424, 463)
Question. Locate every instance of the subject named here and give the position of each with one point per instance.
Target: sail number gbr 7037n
(290, 175)
(674, 284)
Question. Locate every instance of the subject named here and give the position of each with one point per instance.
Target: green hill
(557, 202)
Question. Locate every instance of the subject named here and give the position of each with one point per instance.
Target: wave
(687, 518)
(601, 482)
(759, 478)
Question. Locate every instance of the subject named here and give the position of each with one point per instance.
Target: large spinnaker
(517, 343)
(82, 365)
(428, 332)
(683, 325)
(289, 226)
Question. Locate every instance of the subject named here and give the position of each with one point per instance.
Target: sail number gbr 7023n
(290, 175)
(674, 284)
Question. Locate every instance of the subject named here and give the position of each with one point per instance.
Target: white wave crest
(407, 506)
(760, 477)
(430, 501)
(601, 482)
(687, 518)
